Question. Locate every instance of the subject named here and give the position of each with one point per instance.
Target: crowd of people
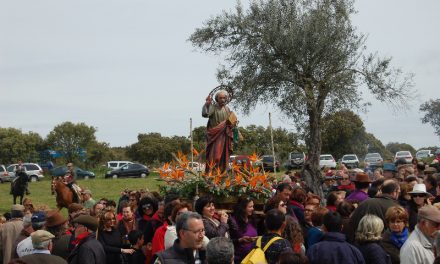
(388, 216)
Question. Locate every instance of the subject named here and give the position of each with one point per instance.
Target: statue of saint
(220, 127)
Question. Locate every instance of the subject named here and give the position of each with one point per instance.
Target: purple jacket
(357, 195)
(241, 249)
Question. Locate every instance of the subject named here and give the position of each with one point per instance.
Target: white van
(116, 164)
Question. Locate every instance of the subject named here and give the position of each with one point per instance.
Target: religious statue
(220, 129)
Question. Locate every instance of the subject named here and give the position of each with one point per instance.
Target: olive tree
(305, 58)
(431, 109)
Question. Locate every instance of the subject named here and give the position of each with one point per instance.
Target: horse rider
(69, 180)
(19, 168)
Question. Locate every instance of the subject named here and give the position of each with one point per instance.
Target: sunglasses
(418, 195)
(146, 206)
(283, 204)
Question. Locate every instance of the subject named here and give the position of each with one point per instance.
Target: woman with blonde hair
(368, 239)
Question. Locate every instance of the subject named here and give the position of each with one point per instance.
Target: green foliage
(16, 145)
(257, 139)
(343, 132)
(69, 138)
(393, 147)
(153, 148)
(303, 57)
(431, 109)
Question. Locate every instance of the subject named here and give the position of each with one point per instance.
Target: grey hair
(27, 220)
(41, 245)
(219, 92)
(183, 219)
(220, 250)
(369, 229)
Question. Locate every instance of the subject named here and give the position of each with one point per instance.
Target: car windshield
(403, 153)
(351, 157)
(372, 155)
(267, 158)
(296, 155)
(325, 158)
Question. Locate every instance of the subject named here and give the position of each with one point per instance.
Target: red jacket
(158, 241)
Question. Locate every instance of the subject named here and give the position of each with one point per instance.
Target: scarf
(399, 238)
(79, 238)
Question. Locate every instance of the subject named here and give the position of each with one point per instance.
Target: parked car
(129, 170)
(350, 161)
(424, 153)
(196, 166)
(403, 155)
(241, 160)
(116, 164)
(373, 159)
(4, 175)
(269, 163)
(296, 160)
(80, 173)
(327, 160)
(33, 170)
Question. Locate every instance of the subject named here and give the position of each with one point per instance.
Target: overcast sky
(126, 67)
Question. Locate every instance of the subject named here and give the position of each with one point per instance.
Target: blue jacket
(374, 253)
(334, 249)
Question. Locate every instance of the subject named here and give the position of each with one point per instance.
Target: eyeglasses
(283, 204)
(110, 219)
(418, 195)
(196, 232)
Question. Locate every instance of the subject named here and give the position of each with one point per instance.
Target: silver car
(33, 170)
(4, 175)
(373, 159)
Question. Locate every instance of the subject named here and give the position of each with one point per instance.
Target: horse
(19, 186)
(64, 195)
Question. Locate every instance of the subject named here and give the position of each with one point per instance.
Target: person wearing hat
(42, 245)
(417, 249)
(88, 200)
(25, 247)
(389, 170)
(88, 250)
(377, 205)
(361, 183)
(419, 198)
(329, 184)
(56, 224)
(10, 231)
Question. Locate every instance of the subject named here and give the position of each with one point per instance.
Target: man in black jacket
(88, 250)
(187, 248)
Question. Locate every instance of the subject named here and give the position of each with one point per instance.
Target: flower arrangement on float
(239, 180)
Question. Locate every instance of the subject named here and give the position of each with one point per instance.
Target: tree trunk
(311, 171)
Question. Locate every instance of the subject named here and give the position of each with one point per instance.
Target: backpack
(257, 256)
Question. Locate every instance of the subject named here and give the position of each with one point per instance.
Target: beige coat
(9, 232)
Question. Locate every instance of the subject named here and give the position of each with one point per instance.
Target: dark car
(129, 170)
(267, 162)
(80, 173)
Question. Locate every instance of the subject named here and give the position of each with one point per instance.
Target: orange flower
(227, 183)
(210, 164)
(238, 178)
(195, 152)
(254, 157)
(177, 174)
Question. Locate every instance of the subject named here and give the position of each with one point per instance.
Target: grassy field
(108, 188)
